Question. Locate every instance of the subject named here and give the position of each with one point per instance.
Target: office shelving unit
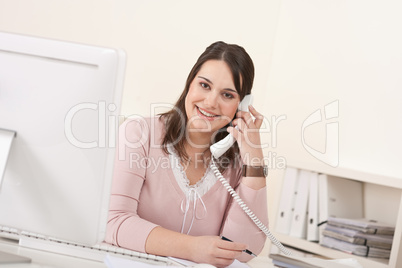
(387, 189)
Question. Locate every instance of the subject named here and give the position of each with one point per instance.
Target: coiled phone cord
(246, 209)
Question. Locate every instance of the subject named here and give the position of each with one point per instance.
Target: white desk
(43, 259)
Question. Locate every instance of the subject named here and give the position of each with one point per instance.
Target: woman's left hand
(248, 136)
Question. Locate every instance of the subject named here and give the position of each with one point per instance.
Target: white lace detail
(201, 187)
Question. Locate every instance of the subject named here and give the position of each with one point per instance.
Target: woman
(165, 198)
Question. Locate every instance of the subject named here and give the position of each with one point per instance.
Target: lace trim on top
(201, 187)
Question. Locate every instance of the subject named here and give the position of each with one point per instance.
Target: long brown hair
(242, 69)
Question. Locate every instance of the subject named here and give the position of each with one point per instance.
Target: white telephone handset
(219, 148)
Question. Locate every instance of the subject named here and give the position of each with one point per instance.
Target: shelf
(376, 199)
(349, 174)
(330, 253)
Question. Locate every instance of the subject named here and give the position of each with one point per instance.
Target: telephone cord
(247, 210)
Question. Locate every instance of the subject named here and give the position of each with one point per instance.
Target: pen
(245, 251)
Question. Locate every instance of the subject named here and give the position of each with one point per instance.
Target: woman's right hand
(213, 250)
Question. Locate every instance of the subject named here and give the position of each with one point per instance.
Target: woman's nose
(211, 100)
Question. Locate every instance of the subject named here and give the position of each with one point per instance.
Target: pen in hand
(245, 251)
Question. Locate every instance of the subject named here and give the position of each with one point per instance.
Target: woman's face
(212, 99)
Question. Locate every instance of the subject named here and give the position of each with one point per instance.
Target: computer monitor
(62, 100)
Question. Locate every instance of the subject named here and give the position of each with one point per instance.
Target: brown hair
(242, 69)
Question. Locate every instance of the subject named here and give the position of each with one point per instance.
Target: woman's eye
(228, 95)
(204, 85)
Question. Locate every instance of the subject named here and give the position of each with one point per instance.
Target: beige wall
(344, 51)
(162, 38)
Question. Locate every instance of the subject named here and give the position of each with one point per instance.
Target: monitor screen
(62, 100)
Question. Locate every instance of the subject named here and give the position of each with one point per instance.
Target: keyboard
(95, 253)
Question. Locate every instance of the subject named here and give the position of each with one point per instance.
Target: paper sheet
(235, 264)
(116, 262)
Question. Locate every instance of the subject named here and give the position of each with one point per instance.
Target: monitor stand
(6, 138)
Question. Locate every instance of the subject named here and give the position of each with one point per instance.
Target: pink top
(145, 194)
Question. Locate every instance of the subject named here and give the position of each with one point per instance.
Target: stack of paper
(360, 250)
(359, 236)
(363, 225)
(338, 197)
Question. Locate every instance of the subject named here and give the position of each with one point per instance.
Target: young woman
(165, 198)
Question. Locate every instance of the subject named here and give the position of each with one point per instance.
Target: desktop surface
(44, 259)
(52, 260)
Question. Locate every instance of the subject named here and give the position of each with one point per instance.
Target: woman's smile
(205, 114)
